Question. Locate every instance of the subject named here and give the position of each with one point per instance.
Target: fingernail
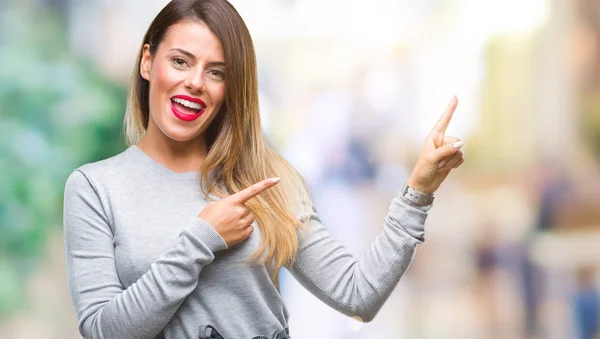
(458, 144)
(275, 180)
(442, 164)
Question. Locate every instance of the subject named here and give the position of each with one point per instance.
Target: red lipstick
(186, 116)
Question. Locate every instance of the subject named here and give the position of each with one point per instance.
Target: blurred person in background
(552, 188)
(181, 236)
(586, 304)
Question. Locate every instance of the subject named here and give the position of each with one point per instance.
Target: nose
(194, 81)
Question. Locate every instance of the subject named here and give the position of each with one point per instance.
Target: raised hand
(230, 217)
(439, 155)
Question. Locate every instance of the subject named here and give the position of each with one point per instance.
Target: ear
(146, 62)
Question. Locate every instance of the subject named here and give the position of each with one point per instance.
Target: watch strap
(419, 198)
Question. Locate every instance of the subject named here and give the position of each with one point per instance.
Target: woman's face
(187, 82)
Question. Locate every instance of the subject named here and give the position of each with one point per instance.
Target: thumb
(447, 150)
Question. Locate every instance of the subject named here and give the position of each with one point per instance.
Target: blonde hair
(238, 155)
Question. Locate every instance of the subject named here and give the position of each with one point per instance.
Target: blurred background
(349, 90)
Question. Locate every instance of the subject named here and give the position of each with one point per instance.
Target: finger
(246, 212)
(254, 190)
(248, 219)
(446, 151)
(452, 161)
(443, 164)
(450, 140)
(244, 234)
(440, 140)
(459, 163)
(240, 210)
(442, 124)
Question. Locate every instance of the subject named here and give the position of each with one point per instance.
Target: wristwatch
(419, 198)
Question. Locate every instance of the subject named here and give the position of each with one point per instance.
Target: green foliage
(56, 113)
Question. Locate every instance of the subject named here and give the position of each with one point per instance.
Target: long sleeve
(105, 309)
(359, 288)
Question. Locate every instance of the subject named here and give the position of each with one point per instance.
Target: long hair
(238, 154)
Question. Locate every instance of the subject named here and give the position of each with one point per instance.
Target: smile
(187, 108)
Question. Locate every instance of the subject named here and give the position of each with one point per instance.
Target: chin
(177, 133)
(180, 136)
(173, 130)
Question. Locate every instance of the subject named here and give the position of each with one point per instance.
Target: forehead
(194, 37)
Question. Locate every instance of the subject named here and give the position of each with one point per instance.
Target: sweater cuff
(210, 237)
(410, 216)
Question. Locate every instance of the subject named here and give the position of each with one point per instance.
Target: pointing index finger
(254, 190)
(444, 120)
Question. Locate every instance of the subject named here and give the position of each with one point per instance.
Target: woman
(181, 235)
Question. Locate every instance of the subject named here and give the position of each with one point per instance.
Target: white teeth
(187, 103)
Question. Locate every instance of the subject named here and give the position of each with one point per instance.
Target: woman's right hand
(230, 217)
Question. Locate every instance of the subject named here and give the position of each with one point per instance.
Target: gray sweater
(141, 264)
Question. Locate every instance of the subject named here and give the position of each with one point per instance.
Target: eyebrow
(191, 56)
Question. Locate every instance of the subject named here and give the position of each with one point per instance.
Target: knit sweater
(141, 264)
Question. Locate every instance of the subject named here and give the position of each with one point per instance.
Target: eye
(217, 74)
(179, 62)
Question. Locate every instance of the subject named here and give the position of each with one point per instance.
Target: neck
(179, 156)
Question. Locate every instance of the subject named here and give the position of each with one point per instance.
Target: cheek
(218, 94)
(163, 77)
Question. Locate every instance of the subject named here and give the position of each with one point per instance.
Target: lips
(187, 108)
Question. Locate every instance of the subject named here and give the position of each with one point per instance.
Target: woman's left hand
(439, 155)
